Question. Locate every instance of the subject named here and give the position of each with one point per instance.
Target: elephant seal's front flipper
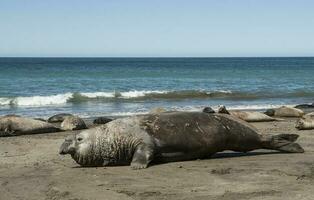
(283, 143)
(142, 156)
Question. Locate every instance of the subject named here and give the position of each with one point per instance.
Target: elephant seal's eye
(79, 139)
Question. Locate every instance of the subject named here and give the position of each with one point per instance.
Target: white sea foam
(99, 94)
(37, 100)
(135, 93)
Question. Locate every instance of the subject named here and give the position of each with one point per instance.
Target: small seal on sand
(208, 110)
(169, 136)
(306, 122)
(102, 120)
(285, 111)
(249, 116)
(73, 123)
(12, 125)
(58, 117)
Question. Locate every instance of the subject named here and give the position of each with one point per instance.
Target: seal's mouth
(67, 146)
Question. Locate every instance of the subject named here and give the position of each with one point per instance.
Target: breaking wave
(142, 96)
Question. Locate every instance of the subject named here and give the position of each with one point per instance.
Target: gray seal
(306, 122)
(170, 136)
(73, 123)
(58, 117)
(248, 116)
(12, 125)
(285, 111)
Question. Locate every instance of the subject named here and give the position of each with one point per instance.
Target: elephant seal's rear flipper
(283, 142)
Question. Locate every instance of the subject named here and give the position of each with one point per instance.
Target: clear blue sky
(157, 28)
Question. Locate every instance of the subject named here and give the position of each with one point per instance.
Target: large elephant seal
(12, 125)
(71, 123)
(170, 136)
(58, 117)
(306, 122)
(248, 116)
(285, 111)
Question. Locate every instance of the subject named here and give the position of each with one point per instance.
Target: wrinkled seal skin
(248, 116)
(12, 125)
(58, 117)
(306, 122)
(285, 111)
(73, 123)
(170, 136)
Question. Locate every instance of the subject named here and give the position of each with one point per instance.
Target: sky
(156, 28)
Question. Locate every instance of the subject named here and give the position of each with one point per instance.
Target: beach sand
(30, 168)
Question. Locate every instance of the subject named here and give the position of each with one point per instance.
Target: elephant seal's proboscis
(171, 136)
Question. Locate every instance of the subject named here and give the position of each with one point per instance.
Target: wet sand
(30, 168)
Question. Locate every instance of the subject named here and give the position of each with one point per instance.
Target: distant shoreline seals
(170, 136)
(248, 116)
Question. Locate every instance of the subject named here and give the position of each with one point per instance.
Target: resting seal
(58, 117)
(208, 110)
(12, 125)
(251, 116)
(285, 111)
(102, 120)
(304, 106)
(170, 136)
(73, 123)
(306, 122)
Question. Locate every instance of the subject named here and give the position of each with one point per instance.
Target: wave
(143, 95)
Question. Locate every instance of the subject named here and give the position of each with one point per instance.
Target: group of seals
(16, 125)
(248, 116)
(169, 136)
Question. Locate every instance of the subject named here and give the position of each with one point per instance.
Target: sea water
(92, 87)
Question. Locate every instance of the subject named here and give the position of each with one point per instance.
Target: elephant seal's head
(83, 148)
(99, 146)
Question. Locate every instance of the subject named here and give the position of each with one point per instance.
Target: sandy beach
(31, 168)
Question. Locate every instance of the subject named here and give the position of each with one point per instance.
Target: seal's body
(12, 125)
(285, 111)
(169, 136)
(58, 117)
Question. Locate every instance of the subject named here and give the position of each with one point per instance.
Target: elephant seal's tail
(282, 142)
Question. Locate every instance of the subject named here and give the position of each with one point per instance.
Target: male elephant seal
(58, 117)
(170, 136)
(249, 116)
(306, 122)
(285, 111)
(73, 123)
(208, 110)
(12, 125)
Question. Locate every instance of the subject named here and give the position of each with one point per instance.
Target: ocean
(90, 87)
